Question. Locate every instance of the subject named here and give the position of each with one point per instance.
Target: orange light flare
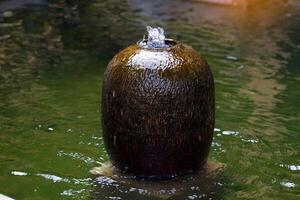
(239, 3)
(248, 11)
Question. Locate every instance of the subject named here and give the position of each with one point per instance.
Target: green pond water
(52, 58)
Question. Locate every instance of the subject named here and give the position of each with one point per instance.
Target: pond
(52, 58)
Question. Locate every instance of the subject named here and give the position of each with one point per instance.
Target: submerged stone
(202, 180)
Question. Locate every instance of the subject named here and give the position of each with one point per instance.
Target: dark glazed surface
(158, 111)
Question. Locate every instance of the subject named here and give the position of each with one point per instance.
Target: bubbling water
(155, 39)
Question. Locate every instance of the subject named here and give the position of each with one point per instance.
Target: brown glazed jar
(158, 110)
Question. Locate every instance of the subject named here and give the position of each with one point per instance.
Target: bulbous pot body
(158, 110)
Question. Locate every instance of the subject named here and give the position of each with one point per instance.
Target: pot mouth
(169, 43)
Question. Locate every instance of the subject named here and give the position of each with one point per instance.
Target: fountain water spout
(155, 39)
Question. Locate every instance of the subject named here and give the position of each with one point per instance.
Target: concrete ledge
(225, 2)
(3, 197)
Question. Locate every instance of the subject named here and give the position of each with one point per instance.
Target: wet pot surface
(158, 110)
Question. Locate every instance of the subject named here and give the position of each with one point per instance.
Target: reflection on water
(52, 57)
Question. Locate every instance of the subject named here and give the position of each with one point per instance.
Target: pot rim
(172, 44)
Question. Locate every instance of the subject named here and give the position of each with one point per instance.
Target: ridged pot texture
(158, 110)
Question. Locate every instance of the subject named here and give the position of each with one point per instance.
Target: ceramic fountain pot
(158, 110)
